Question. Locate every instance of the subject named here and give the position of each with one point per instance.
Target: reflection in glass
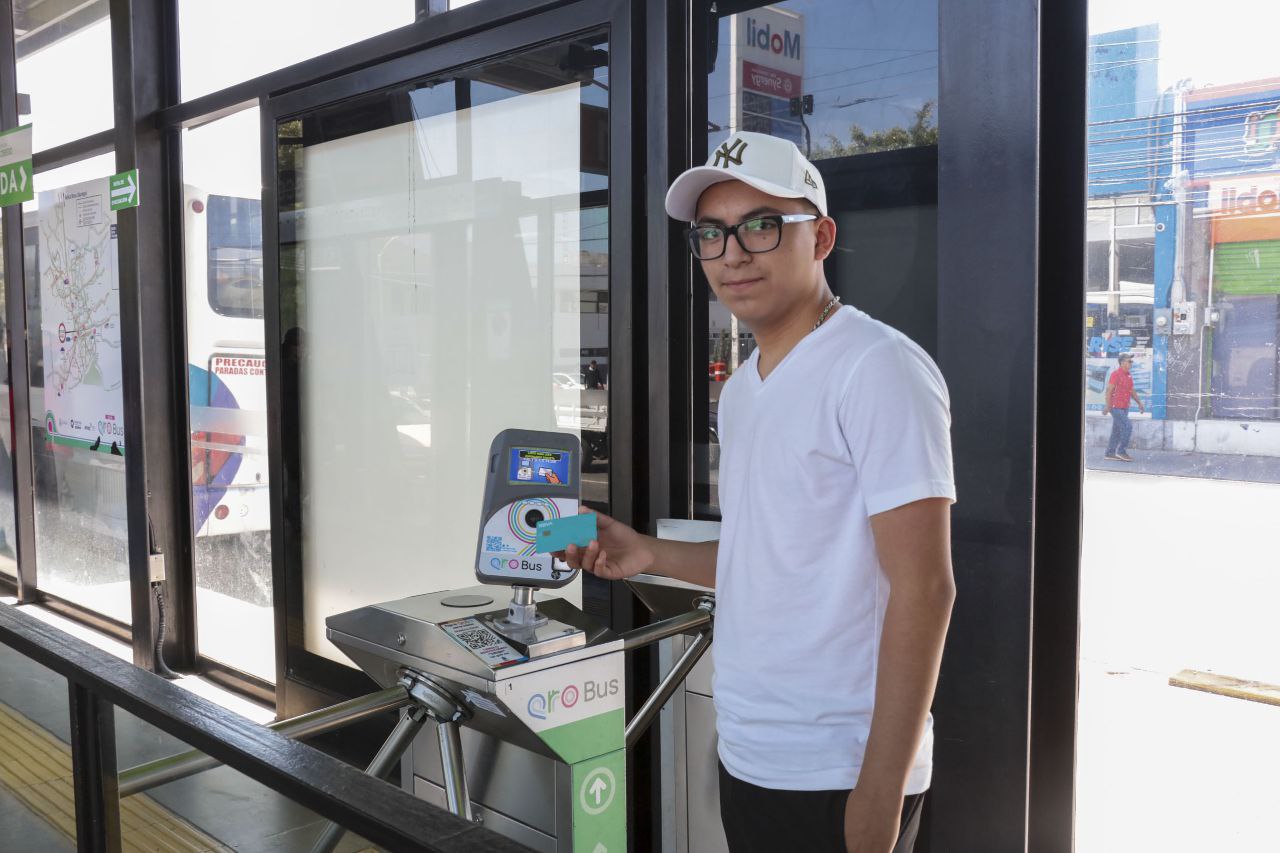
(444, 276)
(75, 373)
(836, 79)
(8, 519)
(840, 81)
(56, 45)
(226, 375)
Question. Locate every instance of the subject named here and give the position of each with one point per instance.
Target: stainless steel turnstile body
(543, 745)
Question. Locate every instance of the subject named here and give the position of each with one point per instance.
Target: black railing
(99, 682)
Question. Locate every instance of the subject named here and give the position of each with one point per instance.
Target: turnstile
(525, 698)
(541, 753)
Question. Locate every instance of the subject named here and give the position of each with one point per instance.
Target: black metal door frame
(305, 680)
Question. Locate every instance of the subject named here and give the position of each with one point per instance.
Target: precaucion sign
(16, 185)
(125, 190)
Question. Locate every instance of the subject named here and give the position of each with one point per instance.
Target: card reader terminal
(532, 476)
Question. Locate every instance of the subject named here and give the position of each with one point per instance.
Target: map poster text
(80, 318)
(16, 184)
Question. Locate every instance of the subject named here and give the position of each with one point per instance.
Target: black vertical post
(19, 401)
(988, 213)
(667, 154)
(93, 764)
(1059, 459)
(666, 144)
(156, 475)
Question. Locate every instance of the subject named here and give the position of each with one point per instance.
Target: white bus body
(226, 364)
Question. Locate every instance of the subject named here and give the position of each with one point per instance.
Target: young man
(833, 570)
(1119, 393)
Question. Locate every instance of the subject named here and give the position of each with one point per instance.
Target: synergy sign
(767, 59)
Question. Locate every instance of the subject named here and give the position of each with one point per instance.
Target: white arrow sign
(125, 192)
(600, 786)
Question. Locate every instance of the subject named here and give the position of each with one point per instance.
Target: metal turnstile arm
(700, 619)
(400, 740)
(653, 705)
(185, 764)
(431, 701)
(456, 795)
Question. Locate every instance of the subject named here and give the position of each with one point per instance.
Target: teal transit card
(556, 534)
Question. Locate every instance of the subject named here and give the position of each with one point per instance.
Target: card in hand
(556, 534)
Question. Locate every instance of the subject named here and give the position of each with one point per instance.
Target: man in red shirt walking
(1119, 393)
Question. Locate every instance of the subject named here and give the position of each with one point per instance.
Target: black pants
(762, 820)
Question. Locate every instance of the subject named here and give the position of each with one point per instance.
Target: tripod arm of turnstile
(182, 765)
(700, 620)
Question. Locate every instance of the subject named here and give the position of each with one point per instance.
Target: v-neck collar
(753, 362)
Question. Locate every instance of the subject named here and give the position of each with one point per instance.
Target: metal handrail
(380, 812)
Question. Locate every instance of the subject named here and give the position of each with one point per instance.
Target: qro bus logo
(785, 43)
(546, 703)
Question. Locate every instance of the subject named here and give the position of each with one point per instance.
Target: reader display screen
(533, 466)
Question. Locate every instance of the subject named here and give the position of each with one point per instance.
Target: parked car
(568, 383)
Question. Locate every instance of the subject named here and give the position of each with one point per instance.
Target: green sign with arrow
(16, 184)
(126, 191)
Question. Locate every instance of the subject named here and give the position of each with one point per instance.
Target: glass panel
(37, 800)
(64, 65)
(226, 366)
(74, 353)
(224, 42)
(840, 81)
(1181, 491)
(865, 76)
(8, 516)
(438, 245)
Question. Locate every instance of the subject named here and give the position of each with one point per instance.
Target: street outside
(1177, 572)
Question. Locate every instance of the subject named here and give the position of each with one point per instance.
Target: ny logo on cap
(730, 153)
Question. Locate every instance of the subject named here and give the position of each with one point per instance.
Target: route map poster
(80, 318)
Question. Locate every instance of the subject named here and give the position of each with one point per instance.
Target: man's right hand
(618, 552)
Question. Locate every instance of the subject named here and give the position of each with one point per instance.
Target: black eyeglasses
(756, 235)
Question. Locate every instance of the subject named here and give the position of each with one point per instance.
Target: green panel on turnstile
(600, 804)
(586, 738)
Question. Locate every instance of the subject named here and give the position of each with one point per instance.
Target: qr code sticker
(477, 638)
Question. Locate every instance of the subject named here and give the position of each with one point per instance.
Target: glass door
(445, 248)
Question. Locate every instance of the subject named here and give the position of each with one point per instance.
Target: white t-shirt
(853, 422)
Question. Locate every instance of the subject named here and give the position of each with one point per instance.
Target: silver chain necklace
(825, 311)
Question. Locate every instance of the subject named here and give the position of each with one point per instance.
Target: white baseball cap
(768, 163)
